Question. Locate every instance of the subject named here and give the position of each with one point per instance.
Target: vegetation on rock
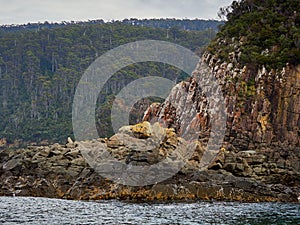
(265, 32)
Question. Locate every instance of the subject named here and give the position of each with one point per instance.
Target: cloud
(19, 11)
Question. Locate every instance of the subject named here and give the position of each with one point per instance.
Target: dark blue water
(54, 211)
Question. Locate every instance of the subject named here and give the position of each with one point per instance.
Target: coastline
(60, 171)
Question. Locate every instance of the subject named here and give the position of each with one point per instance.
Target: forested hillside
(183, 24)
(40, 68)
(267, 32)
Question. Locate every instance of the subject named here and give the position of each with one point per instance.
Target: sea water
(25, 210)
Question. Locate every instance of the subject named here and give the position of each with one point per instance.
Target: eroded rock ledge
(60, 171)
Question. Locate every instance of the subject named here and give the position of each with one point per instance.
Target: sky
(25, 11)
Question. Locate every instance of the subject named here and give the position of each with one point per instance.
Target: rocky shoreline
(60, 171)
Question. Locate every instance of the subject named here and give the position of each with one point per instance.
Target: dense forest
(183, 24)
(267, 32)
(41, 66)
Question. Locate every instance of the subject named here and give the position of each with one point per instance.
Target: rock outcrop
(262, 110)
(58, 171)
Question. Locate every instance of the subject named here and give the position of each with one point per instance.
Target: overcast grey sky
(24, 11)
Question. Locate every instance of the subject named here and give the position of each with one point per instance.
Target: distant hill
(183, 24)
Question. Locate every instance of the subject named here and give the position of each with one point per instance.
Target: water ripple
(20, 210)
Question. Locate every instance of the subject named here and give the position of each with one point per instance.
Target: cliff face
(263, 109)
(263, 106)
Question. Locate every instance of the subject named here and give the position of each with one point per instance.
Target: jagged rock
(144, 144)
(142, 130)
(70, 141)
(12, 164)
(72, 154)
